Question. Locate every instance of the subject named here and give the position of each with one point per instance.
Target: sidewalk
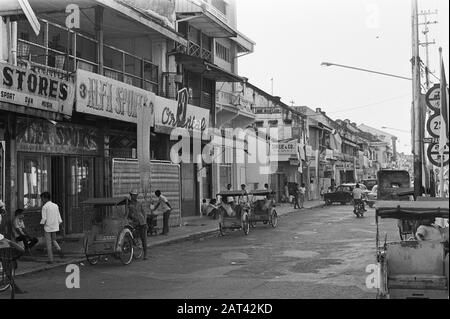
(192, 228)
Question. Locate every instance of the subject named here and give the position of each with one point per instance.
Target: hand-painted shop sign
(174, 114)
(43, 136)
(284, 148)
(102, 96)
(36, 90)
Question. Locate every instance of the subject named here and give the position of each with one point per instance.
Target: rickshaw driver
(138, 216)
(357, 198)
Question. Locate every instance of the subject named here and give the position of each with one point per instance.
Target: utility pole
(427, 167)
(416, 89)
(426, 44)
(271, 80)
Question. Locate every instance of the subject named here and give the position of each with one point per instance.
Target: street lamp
(364, 70)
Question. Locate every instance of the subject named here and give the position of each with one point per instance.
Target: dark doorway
(57, 187)
(189, 190)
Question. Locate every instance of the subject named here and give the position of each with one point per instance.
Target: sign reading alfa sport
(36, 90)
(102, 96)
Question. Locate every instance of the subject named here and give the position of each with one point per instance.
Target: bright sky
(293, 37)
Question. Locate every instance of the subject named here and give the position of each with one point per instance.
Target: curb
(190, 237)
(195, 236)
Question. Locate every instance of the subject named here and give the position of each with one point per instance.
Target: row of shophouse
(70, 101)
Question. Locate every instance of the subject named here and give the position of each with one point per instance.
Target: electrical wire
(364, 106)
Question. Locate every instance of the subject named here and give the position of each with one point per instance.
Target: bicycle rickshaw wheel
(4, 280)
(138, 250)
(221, 230)
(93, 260)
(126, 255)
(246, 225)
(274, 219)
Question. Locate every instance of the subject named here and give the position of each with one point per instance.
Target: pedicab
(412, 268)
(112, 233)
(262, 208)
(233, 211)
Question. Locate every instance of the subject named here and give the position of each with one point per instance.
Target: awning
(244, 44)
(210, 24)
(208, 70)
(220, 75)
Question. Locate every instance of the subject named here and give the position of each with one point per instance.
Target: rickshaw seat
(415, 258)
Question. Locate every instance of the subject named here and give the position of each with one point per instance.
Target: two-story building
(70, 102)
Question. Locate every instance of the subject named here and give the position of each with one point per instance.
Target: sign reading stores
(37, 90)
(102, 96)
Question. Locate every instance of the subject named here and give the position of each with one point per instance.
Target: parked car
(372, 196)
(369, 183)
(343, 194)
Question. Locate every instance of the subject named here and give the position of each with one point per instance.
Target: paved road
(319, 253)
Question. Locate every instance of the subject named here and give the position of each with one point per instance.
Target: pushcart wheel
(138, 250)
(274, 219)
(126, 255)
(328, 202)
(93, 260)
(246, 225)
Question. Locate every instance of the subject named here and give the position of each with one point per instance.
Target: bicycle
(138, 250)
(7, 269)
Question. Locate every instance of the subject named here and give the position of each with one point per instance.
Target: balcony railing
(195, 50)
(63, 59)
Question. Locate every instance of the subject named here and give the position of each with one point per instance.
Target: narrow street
(318, 253)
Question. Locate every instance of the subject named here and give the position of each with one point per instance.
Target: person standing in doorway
(163, 203)
(301, 196)
(296, 196)
(286, 192)
(51, 218)
(138, 217)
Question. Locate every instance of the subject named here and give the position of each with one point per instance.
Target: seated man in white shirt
(430, 232)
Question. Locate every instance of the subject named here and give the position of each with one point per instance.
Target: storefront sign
(37, 90)
(43, 136)
(173, 114)
(102, 96)
(284, 148)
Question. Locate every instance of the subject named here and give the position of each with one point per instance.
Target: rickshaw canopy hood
(261, 192)
(412, 210)
(232, 193)
(107, 201)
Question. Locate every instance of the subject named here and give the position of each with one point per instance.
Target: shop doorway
(57, 187)
(189, 190)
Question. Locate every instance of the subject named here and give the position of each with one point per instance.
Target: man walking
(51, 218)
(139, 218)
(166, 209)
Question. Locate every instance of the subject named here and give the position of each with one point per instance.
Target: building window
(220, 5)
(223, 52)
(34, 180)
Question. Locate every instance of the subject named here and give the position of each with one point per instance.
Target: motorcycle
(359, 207)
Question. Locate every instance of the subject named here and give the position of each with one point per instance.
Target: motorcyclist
(358, 199)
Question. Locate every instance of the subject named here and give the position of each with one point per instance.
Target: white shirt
(51, 217)
(428, 233)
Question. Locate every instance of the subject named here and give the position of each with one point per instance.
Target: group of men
(51, 221)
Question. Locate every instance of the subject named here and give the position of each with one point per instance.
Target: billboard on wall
(37, 90)
(170, 114)
(102, 96)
